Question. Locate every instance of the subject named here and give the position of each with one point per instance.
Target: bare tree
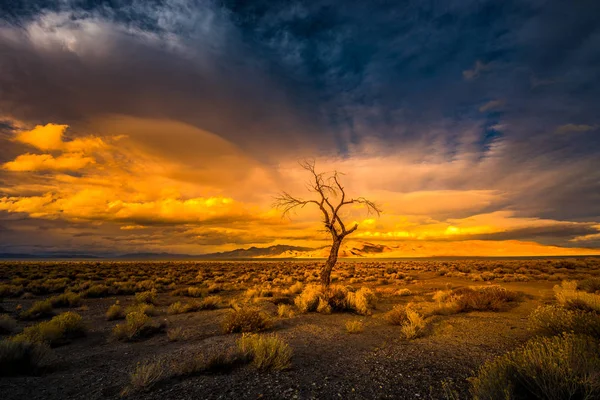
(330, 200)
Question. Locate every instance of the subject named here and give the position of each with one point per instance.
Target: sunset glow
(181, 147)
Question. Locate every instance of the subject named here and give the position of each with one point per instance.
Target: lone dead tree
(331, 200)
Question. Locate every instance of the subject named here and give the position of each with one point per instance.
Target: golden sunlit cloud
(41, 162)
(219, 198)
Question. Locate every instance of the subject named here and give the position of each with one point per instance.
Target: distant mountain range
(276, 251)
(354, 249)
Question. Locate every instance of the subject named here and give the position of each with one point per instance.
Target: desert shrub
(590, 285)
(195, 292)
(39, 309)
(215, 288)
(215, 361)
(448, 306)
(553, 320)
(414, 325)
(143, 308)
(268, 352)
(7, 324)
(396, 316)
(568, 296)
(486, 298)
(362, 302)
(8, 290)
(559, 367)
(335, 298)
(222, 360)
(64, 300)
(96, 291)
(354, 326)
(137, 326)
(482, 298)
(176, 334)
(308, 300)
(285, 311)
(58, 330)
(145, 375)
(208, 303)
(296, 288)
(178, 308)
(115, 312)
(149, 297)
(21, 357)
(245, 320)
(323, 307)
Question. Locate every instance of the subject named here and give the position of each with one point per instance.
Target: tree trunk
(330, 263)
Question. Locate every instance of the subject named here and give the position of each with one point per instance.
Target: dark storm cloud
(559, 234)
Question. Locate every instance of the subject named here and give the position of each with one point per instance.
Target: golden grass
(245, 320)
(267, 352)
(58, 330)
(353, 326)
(137, 326)
(560, 367)
(568, 296)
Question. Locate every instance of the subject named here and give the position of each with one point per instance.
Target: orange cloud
(42, 162)
(215, 197)
(47, 137)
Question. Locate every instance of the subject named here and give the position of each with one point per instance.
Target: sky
(169, 126)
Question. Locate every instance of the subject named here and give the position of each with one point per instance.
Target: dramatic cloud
(170, 125)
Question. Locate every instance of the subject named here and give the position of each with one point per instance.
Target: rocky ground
(328, 362)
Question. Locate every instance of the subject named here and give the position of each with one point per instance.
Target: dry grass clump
(560, 367)
(190, 291)
(58, 330)
(145, 375)
(590, 285)
(7, 324)
(553, 320)
(396, 316)
(568, 296)
(362, 301)
(65, 300)
(354, 326)
(179, 308)
(296, 288)
(215, 361)
(335, 298)
(308, 300)
(414, 326)
(149, 297)
(482, 298)
(143, 308)
(208, 303)
(267, 352)
(115, 312)
(176, 334)
(21, 357)
(137, 326)
(96, 291)
(285, 311)
(412, 323)
(245, 319)
(39, 309)
(8, 290)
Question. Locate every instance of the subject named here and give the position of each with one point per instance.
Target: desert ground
(266, 329)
